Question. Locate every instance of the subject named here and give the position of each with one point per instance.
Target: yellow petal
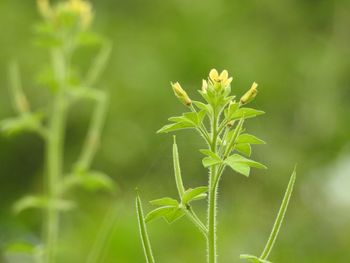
(213, 74)
(224, 75)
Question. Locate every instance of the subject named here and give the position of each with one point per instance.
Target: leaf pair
(186, 121)
(170, 209)
(237, 162)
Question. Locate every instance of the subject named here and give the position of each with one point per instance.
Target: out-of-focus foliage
(297, 51)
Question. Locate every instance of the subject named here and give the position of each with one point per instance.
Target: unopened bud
(181, 94)
(250, 94)
(204, 86)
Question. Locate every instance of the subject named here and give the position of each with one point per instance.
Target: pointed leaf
(191, 194)
(175, 127)
(158, 212)
(248, 138)
(165, 201)
(236, 158)
(246, 113)
(244, 148)
(209, 161)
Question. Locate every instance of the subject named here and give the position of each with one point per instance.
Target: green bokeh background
(298, 52)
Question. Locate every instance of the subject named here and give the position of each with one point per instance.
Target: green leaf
(147, 249)
(231, 109)
(248, 138)
(253, 259)
(192, 194)
(246, 113)
(242, 165)
(201, 106)
(175, 127)
(158, 212)
(40, 202)
(176, 214)
(209, 161)
(212, 159)
(165, 201)
(244, 148)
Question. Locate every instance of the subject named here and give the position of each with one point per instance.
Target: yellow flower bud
(250, 94)
(181, 94)
(84, 10)
(44, 8)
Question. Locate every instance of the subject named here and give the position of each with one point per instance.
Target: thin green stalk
(196, 221)
(280, 216)
(54, 153)
(143, 232)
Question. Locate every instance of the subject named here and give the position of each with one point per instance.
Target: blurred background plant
(65, 29)
(298, 50)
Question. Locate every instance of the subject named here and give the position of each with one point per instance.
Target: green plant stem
(54, 151)
(212, 200)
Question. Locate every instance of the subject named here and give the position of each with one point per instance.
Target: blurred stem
(96, 125)
(102, 236)
(20, 100)
(54, 153)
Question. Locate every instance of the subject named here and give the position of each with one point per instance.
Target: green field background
(298, 51)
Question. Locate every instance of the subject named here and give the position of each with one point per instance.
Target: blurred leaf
(248, 138)
(41, 202)
(89, 38)
(23, 252)
(158, 212)
(244, 148)
(91, 181)
(22, 123)
(193, 194)
(165, 201)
